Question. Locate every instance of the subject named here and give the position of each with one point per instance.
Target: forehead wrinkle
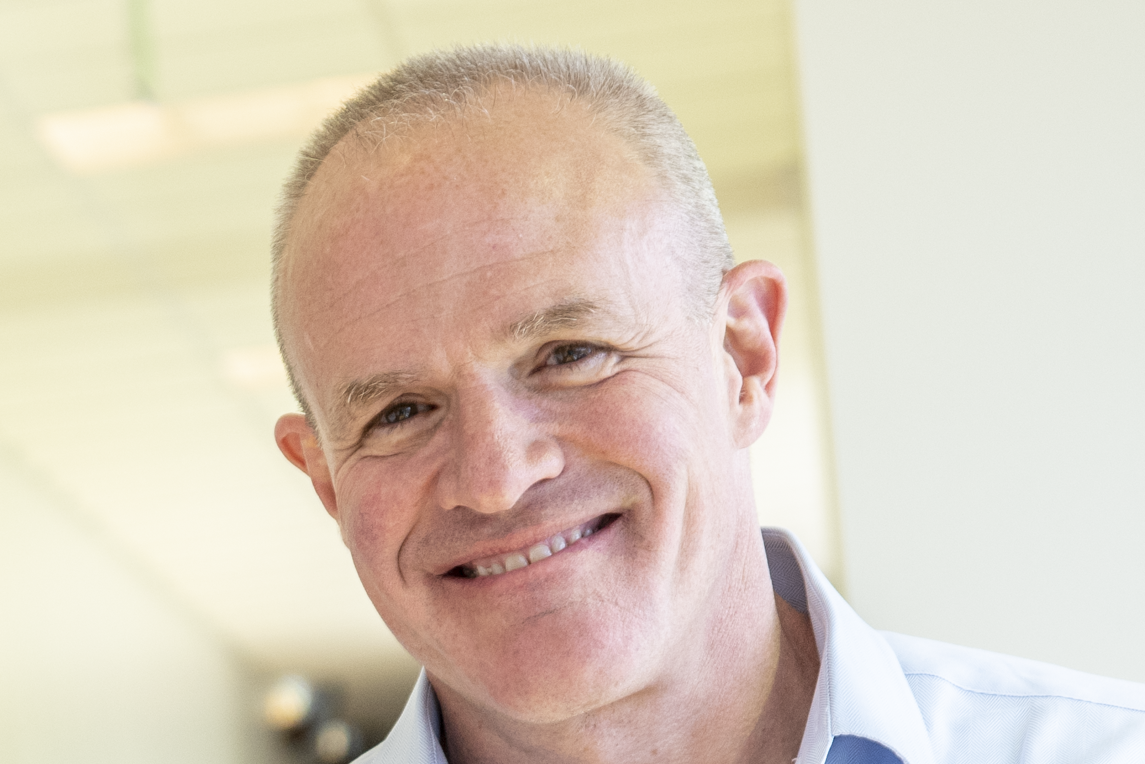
(381, 262)
(388, 259)
(344, 296)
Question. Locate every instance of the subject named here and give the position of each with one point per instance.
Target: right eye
(399, 412)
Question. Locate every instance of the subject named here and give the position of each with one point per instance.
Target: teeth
(534, 554)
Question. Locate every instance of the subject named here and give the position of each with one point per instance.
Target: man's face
(490, 324)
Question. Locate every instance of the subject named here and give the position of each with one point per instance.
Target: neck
(740, 695)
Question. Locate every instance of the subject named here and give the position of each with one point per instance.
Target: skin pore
(485, 317)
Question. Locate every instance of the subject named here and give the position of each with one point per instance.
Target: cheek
(377, 501)
(676, 439)
(653, 419)
(642, 424)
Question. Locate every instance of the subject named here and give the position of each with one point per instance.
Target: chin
(548, 682)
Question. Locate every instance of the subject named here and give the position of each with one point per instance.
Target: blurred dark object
(305, 717)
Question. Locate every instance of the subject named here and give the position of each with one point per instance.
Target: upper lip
(514, 541)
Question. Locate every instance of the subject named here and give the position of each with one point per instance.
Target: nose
(498, 451)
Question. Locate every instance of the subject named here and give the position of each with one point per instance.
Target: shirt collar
(416, 737)
(861, 689)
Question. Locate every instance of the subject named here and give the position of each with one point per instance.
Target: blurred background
(956, 193)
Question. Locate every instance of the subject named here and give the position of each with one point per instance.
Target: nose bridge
(499, 450)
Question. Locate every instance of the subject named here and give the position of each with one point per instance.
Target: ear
(753, 299)
(298, 443)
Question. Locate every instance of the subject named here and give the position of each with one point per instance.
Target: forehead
(470, 216)
(532, 148)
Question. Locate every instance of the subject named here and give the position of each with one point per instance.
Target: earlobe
(298, 443)
(753, 303)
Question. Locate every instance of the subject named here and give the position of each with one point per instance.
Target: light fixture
(141, 132)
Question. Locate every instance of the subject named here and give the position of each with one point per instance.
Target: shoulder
(986, 673)
(981, 706)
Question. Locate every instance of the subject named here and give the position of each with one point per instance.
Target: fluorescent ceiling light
(141, 132)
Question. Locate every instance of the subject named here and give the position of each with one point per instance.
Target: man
(529, 376)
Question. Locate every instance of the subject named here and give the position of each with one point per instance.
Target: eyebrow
(361, 393)
(554, 318)
(364, 391)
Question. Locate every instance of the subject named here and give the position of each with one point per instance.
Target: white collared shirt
(882, 698)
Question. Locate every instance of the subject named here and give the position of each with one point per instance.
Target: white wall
(976, 173)
(96, 663)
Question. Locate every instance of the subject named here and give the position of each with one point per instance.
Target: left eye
(566, 354)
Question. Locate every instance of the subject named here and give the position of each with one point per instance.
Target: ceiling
(139, 385)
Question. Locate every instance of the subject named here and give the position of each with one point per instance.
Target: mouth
(500, 564)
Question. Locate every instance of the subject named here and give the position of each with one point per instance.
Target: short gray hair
(446, 84)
